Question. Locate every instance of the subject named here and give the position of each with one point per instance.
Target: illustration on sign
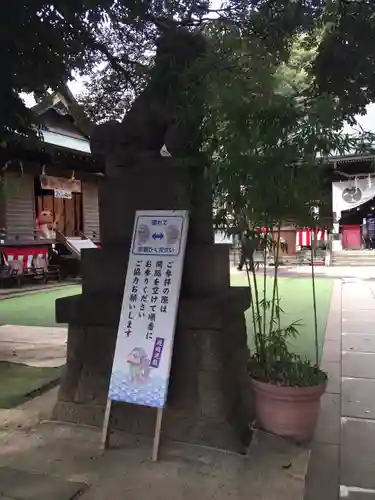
(158, 235)
(141, 365)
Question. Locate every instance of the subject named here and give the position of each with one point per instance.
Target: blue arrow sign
(158, 236)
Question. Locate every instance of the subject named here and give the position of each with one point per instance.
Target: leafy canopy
(43, 41)
(267, 132)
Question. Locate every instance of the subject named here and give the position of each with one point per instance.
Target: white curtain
(339, 204)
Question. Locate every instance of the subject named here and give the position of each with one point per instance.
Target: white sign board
(63, 193)
(143, 354)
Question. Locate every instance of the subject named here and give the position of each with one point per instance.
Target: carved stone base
(209, 400)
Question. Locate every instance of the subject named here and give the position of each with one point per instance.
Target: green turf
(296, 301)
(18, 381)
(34, 309)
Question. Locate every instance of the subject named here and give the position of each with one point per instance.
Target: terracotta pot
(290, 412)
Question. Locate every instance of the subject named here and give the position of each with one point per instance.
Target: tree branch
(88, 38)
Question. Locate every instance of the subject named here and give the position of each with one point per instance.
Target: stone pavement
(295, 271)
(63, 462)
(342, 463)
(36, 460)
(33, 345)
(364, 273)
(284, 272)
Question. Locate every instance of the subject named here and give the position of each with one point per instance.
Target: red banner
(304, 236)
(25, 254)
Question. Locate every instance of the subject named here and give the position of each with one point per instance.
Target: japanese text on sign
(141, 366)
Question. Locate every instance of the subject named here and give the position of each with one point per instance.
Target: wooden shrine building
(55, 175)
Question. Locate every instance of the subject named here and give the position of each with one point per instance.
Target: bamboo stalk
(258, 316)
(314, 302)
(256, 338)
(276, 252)
(265, 281)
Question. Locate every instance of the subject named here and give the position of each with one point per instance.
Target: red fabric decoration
(25, 254)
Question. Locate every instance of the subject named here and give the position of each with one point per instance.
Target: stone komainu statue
(168, 112)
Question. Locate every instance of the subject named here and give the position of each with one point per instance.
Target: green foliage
(267, 147)
(345, 62)
(43, 41)
(273, 361)
(113, 41)
(267, 134)
(291, 371)
(324, 35)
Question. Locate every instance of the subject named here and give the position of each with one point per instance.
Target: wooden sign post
(155, 447)
(143, 354)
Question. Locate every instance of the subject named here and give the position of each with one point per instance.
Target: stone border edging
(31, 292)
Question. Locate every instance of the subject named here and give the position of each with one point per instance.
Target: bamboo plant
(272, 359)
(267, 146)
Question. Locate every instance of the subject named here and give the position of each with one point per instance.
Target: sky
(367, 122)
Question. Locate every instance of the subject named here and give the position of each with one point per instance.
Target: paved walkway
(342, 462)
(65, 459)
(336, 272)
(363, 272)
(62, 462)
(33, 345)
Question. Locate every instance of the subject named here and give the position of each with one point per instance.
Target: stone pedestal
(209, 400)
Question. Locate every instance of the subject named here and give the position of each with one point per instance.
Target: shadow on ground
(37, 459)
